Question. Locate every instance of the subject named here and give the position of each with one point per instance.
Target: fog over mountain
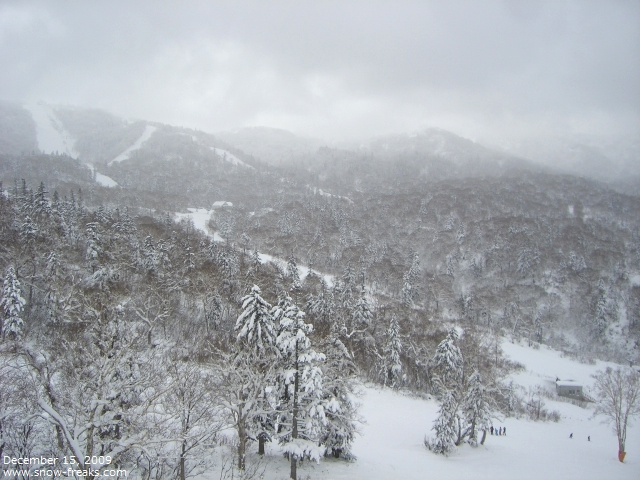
(499, 71)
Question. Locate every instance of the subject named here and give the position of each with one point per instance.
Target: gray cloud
(336, 69)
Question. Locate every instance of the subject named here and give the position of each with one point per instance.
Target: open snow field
(391, 443)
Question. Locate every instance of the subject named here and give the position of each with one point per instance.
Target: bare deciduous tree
(618, 393)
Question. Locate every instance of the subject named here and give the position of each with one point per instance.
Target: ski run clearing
(51, 135)
(229, 157)
(390, 445)
(391, 441)
(201, 217)
(146, 135)
(101, 179)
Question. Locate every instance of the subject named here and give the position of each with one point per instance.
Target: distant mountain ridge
(273, 146)
(98, 137)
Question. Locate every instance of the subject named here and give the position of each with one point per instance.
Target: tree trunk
(182, 461)
(484, 437)
(242, 440)
(261, 442)
(294, 434)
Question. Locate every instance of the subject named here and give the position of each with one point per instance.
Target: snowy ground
(391, 444)
(146, 135)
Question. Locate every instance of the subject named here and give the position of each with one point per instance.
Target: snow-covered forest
(190, 311)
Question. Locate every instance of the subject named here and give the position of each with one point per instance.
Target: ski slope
(229, 157)
(201, 217)
(101, 179)
(146, 135)
(51, 135)
(391, 442)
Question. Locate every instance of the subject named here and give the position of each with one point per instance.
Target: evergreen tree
(28, 233)
(359, 319)
(347, 287)
(302, 411)
(255, 261)
(52, 273)
(447, 361)
(12, 305)
(41, 205)
(362, 315)
(447, 383)
(94, 247)
(603, 311)
(392, 365)
(292, 273)
(255, 325)
(341, 412)
(321, 306)
(477, 407)
(149, 258)
(444, 426)
(410, 279)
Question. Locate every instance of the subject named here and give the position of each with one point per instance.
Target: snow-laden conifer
(445, 426)
(28, 232)
(292, 273)
(392, 365)
(322, 306)
(362, 315)
(94, 247)
(339, 370)
(477, 407)
(12, 305)
(410, 279)
(255, 261)
(255, 324)
(447, 361)
(302, 409)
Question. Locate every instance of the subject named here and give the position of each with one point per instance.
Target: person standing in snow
(589, 438)
(504, 430)
(571, 436)
(491, 429)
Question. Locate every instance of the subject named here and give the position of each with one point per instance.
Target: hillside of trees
(142, 339)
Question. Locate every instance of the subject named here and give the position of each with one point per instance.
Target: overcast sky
(336, 70)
